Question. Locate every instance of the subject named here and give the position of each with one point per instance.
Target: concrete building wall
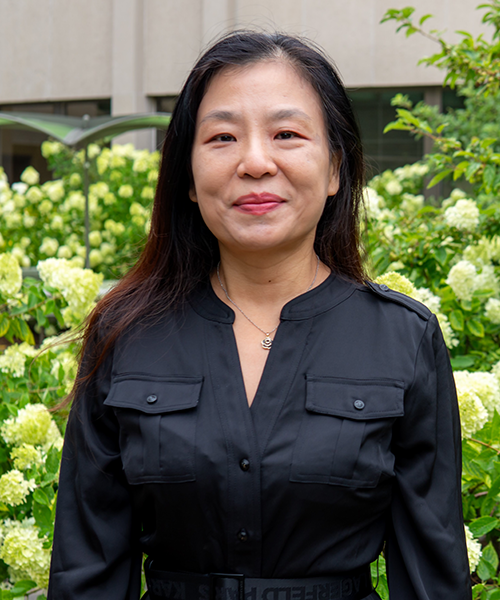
(134, 50)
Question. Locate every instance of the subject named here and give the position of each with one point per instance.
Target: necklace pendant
(267, 342)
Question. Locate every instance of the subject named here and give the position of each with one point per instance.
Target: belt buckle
(240, 578)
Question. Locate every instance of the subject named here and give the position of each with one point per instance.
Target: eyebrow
(277, 115)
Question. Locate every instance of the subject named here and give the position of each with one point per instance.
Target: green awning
(79, 132)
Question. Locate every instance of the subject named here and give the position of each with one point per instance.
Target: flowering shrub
(31, 379)
(447, 256)
(42, 221)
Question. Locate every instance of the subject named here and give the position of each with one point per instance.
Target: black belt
(351, 585)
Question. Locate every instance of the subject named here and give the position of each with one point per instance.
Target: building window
(395, 148)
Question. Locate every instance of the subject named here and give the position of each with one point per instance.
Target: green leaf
(494, 489)
(490, 555)
(472, 169)
(475, 327)
(483, 525)
(424, 19)
(457, 320)
(41, 497)
(21, 588)
(396, 125)
(53, 460)
(462, 362)
(43, 517)
(485, 570)
(441, 255)
(439, 177)
(489, 176)
(4, 324)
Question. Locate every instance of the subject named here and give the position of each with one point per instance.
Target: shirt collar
(320, 299)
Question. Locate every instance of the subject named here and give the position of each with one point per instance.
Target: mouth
(258, 204)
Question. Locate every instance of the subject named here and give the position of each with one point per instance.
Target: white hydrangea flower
(462, 279)
(34, 195)
(79, 287)
(13, 360)
(397, 282)
(141, 164)
(95, 257)
(76, 200)
(57, 222)
(464, 215)
(75, 180)
(28, 220)
(126, 150)
(23, 551)
(393, 187)
(31, 426)
(100, 189)
(30, 176)
(153, 176)
(492, 310)
(93, 150)
(11, 275)
(450, 339)
(473, 549)
(487, 387)
(49, 246)
(126, 191)
(473, 414)
(19, 187)
(117, 162)
(55, 190)
(430, 300)
(114, 227)
(14, 488)
(95, 238)
(373, 202)
(457, 194)
(51, 148)
(64, 252)
(487, 280)
(411, 203)
(26, 456)
(147, 193)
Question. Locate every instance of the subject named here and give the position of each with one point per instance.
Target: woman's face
(261, 164)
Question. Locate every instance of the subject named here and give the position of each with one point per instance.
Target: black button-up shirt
(353, 438)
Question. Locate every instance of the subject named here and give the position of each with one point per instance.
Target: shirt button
(242, 535)
(151, 399)
(244, 464)
(384, 288)
(359, 404)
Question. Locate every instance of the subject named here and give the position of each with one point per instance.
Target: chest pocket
(346, 431)
(157, 418)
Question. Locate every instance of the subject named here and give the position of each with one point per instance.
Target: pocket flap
(355, 399)
(154, 395)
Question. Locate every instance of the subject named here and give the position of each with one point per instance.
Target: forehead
(259, 85)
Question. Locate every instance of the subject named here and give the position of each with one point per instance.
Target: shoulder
(381, 292)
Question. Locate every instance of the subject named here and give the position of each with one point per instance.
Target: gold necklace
(267, 342)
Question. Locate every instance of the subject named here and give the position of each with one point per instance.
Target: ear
(192, 194)
(333, 183)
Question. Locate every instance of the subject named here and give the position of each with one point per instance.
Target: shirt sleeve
(96, 554)
(426, 550)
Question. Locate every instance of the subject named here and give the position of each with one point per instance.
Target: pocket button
(359, 404)
(151, 399)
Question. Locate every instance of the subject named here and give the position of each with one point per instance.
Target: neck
(268, 282)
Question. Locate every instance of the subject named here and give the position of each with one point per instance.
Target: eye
(286, 135)
(224, 137)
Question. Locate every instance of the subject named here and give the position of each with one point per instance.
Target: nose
(256, 159)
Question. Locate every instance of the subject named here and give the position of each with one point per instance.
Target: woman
(247, 404)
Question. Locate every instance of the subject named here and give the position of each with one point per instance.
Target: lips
(258, 204)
